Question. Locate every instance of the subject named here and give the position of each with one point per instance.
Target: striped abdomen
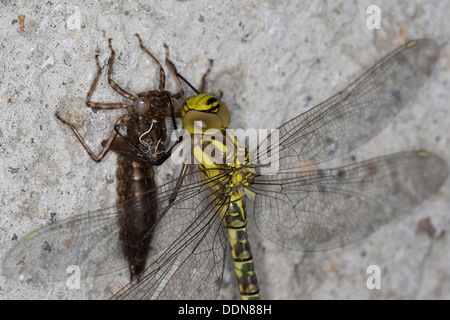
(134, 181)
(236, 223)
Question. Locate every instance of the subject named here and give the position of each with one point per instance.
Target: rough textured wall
(273, 60)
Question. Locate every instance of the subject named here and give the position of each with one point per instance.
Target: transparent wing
(191, 267)
(188, 235)
(89, 241)
(325, 209)
(356, 114)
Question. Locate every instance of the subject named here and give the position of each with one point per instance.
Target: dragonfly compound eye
(209, 110)
(142, 105)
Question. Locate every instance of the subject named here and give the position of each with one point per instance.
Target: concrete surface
(274, 60)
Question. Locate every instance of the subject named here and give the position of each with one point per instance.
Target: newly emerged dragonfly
(304, 206)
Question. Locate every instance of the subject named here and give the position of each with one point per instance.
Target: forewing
(359, 112)
(191, 267)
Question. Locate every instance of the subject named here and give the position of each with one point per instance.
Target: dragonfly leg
(162, 74)
(203, 81)
(172, 112)
(178, 76)
(173, 71)
(107, 145)
(97, 105)
(111, 82)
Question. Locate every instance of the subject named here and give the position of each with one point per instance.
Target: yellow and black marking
(227, 180)
(210, 111)
(236, 223)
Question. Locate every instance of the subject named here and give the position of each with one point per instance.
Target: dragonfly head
(206, 109)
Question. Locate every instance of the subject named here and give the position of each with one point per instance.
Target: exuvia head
(208, 109)
(154, 103)
(142, 105)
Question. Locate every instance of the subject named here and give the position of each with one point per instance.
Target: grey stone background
(274, 60)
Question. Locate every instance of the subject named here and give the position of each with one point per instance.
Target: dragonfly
(304, 206)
